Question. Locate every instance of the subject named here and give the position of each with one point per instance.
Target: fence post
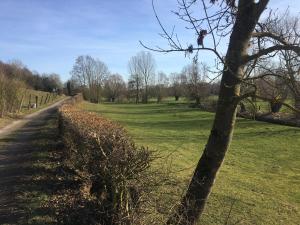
(46, 99)
(29, 103)
(36, 100)
(41, 102)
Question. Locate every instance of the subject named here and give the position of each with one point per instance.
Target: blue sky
(47, 35)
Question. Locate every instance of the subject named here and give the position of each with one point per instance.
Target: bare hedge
(11, 95)
(107, 159)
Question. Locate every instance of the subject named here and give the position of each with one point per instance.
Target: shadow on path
(28, 171)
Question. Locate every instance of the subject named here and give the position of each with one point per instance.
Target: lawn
(259, 179)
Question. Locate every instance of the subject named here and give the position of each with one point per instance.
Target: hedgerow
(110, 165)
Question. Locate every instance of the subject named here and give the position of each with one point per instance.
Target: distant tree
(161, 86)
(197, 88)
(114, 87)
(136, 80)
(142, 71)
(215, 88)
(51, 82)
(15, 69)
(147, 70)
(131, 91)
(90, 75)
(178, 84)
(270, 88)
(69, 87)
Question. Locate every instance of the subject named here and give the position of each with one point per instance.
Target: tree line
(16, 70)
(16, 79)
(93, 78)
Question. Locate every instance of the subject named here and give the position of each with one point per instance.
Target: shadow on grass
(30, 172)
(142, 109)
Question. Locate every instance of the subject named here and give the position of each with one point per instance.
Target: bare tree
(239, 19)
(51, 82)
(90, 74)
(178, 84)
(277, 74)
(289, 61)
(291, 76)
(161, 85)
(142, 72)
(197, 88)
(146, 65)
(114, 87)
(136, 79)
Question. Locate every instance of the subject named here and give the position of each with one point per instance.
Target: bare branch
(283, 103)
(266, 51)
(270, 35)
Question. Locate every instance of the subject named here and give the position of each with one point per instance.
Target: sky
(48, 35)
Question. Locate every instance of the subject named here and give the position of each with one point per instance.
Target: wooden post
(36, 101)
(41, 102)
(46, 99)
(29, 103)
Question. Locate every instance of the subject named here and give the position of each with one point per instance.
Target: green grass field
(260, 178)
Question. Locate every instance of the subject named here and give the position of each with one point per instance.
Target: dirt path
(22, 122)
(24, 148)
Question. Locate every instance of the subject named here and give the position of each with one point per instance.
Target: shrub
(107, 160)
(11, 95)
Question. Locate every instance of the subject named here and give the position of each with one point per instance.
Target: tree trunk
(137, 96)
(193, 203)
(21, 103)
(243, 107)
(197, 101)
(176, 98)
(145, 98)
(275, 106)
(159, 98)
(297, 106)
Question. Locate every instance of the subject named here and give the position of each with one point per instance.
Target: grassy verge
(260, 177)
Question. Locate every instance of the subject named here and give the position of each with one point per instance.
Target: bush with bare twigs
(11, 95)
(108, 162)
